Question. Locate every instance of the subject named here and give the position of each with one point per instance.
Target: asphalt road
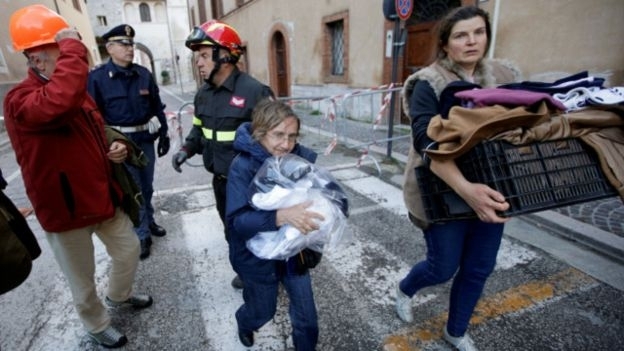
(545, 294)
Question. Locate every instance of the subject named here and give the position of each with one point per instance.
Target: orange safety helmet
(215, 33)
(33, 26)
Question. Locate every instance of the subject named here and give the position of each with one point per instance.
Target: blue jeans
(144, 177)
(260, 296)
(465, 247)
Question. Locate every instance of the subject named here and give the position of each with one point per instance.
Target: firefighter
(222, 103)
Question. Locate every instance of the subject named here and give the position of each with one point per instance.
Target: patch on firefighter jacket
(237, 101)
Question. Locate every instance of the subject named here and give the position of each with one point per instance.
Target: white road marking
(204, 239)
(391, 198)
(203, 233)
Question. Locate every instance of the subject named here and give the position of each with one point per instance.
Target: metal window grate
(336, 30)
(431, 10)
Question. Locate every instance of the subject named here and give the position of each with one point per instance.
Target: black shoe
(145, 249)
(135, 301)
(157, 230)
(237, 283)
(246, 338)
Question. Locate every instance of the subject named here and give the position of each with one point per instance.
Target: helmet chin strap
(214, 71)
(218, 61)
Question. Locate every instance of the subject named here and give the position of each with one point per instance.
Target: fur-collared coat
(488, 73)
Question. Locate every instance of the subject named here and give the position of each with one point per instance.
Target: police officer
(221, 105)
(129, 100)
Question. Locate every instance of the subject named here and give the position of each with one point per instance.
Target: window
(431, 10)
(102, 21)
(336, 30)
(336, 48)
(144, 11)
(77, 5)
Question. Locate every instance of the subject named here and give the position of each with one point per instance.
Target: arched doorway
(280, 80)
(143, 55)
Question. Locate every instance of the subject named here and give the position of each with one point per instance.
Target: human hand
(299, 217)
(485, 201)
(178, 159)
(118, 152)
(163, 145)
(67, 33)
(26, 211)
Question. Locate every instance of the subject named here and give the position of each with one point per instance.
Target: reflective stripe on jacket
(218, 113)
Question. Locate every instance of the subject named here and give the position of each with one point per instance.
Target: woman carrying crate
(465, 249)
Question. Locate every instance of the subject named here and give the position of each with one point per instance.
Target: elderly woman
(273, 132)
(463, 249)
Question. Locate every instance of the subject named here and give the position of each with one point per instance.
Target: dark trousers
(260, 296)
(144, 178)
(464, 249)
(219, 185)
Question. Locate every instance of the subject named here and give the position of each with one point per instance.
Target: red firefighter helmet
(215, 33)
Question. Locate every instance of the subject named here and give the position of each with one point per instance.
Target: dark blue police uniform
(128, 98)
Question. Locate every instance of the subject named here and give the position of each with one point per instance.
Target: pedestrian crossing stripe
(533, 294)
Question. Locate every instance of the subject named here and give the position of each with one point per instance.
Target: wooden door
(419, 47)
(280, 64)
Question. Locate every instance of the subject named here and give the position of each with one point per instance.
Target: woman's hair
(445, 26)
(267, 115)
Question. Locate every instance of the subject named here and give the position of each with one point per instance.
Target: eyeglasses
(281, 136)
(124, 45)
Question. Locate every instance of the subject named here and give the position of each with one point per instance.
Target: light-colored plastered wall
(553, 38)
(548, 39)
(303, 19)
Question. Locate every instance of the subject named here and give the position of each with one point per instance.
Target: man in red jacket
(60, 144)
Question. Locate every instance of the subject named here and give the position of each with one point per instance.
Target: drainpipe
(494, 29)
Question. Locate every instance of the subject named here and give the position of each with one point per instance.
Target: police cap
(123, 33)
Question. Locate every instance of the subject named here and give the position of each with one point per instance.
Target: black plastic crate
(533, 177)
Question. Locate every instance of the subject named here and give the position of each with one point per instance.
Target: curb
(585, 234)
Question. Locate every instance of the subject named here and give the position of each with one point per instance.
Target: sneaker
(403, 305)
(135, 301)
(109, 338)
(461, 343)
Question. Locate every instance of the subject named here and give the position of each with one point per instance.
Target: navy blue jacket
(222, 109)
(244, 221)
(127, 96)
